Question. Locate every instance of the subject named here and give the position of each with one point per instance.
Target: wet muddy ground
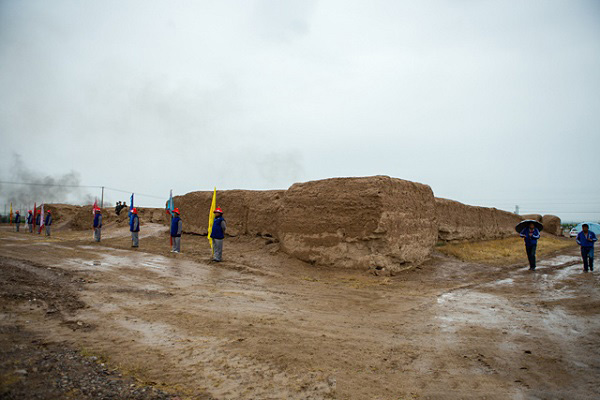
(264, 326)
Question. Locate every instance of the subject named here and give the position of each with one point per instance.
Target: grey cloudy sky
(493, 103)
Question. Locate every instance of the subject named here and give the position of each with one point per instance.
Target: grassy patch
(503, 251)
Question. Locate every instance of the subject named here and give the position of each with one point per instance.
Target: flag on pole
(95, 207)
(211, 218)
(42, 219)
(10, 217)
(131, 206)
(170, 207)
(34, 214)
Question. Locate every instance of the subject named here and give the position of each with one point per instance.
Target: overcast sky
(493, 103)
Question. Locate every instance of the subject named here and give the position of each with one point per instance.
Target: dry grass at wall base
(503, 251)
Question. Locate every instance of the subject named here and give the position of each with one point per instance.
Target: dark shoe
(214, 260)
(532, 269)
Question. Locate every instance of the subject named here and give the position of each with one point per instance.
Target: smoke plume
(50, 189)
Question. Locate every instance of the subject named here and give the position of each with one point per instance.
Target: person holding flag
(218, 234)
(176, 230)
(97, 224)
(48, 221)
(134, 227)
(17, 220)
(30, 221)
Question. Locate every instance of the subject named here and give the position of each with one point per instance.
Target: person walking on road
(176, 230)
(48, 222)
(586, 239)
(97, 225)
(218, 234)
(17, 220)
(134, 227)
(30, 221)
(38, 220)
(531, 235)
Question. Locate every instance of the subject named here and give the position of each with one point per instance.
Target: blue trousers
(531, 255)
(587, 253)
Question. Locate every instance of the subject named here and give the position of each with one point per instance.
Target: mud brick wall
(247, 212)
(359, 222)
(552, 225)
(457, 221)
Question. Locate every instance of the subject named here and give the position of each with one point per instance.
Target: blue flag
(170, 206)
(131, 205)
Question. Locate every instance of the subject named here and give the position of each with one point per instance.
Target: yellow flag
(211, 218)
(10, 216)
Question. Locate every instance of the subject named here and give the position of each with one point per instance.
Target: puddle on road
(460, 308)
(558, 261)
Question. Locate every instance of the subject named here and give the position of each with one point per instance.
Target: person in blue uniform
(176, 230)
(586, 239)
(218, 234)
(531, 235)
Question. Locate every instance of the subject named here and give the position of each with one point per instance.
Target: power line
(49, 184)
(82, 186)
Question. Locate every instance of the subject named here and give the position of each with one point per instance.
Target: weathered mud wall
(535, 217)
(80, 218)
(458, 221)
(552, 224)
(371, 222)
(359, 222)
(247, 212)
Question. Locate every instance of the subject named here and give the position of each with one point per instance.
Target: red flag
(34, 214)
(95, 207)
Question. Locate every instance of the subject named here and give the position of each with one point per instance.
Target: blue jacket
(584, 242)
(97, 220)
(18, 218)
(48, 221)
(217, 229)
(29, 218)
(176, 224)
(134, 223)
(530, 240)
(38, 219)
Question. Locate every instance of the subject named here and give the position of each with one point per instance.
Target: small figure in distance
(586, 239)
(38, 221)
(134, 227)
(48, 222)
(218, 234)
(531, 235)
(97, 225)
(30, 221)
(176, 230)
(17, 220)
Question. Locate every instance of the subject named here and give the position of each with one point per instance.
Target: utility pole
(517, 209)
(102, 199)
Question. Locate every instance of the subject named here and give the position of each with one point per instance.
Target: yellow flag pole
(211, 218)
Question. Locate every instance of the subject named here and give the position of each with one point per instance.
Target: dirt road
(264, 326)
